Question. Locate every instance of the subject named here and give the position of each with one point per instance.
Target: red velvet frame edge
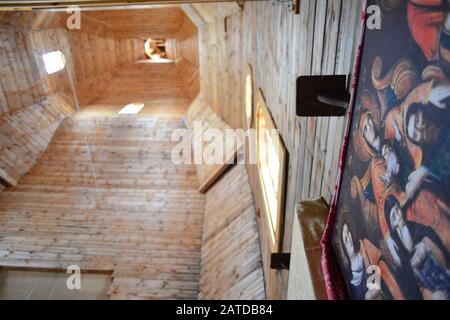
(334, 281)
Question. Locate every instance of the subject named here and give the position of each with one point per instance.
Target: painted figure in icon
(393, 208)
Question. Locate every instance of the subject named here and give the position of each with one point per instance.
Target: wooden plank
(230, 251)
(218, 173)
(280, 46)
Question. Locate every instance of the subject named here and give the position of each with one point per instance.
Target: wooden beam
(6, 180)
(63, 270)
(218, 173)
(47, 4)
(5, 183)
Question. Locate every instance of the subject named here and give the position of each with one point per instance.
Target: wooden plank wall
(119, 205)
(231, 266)
(23, 78)
(171, 49)
(187, 56)
(231, 256)
(201, 113)
(220, 67)
(97, 53)
(160, 96)
(25, 134)
(155, 22)
(280, 46)
(32, 103)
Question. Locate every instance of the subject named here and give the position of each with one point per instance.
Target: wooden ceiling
(148, 23)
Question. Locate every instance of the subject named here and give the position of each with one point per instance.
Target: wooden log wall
(187, 56)
(231, 266)
(280, 46)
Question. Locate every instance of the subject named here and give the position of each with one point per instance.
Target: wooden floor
(106, 196)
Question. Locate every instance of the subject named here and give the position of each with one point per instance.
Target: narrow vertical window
(132, 108)
(249, 97)
(271, 166)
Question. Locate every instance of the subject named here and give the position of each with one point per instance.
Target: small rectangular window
(249, 97)
(54, 61)
(132, 108)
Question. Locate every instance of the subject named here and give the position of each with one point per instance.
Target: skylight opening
(156, 50)
(132, 108)
(54, 61)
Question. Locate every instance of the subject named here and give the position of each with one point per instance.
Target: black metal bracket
(280, 261)
(322, 96)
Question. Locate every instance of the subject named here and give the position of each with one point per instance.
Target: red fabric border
(334, 281)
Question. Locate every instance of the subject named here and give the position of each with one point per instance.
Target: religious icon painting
(391, 233)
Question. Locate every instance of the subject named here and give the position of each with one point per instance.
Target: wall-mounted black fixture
(322, 96)
(280, 261)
